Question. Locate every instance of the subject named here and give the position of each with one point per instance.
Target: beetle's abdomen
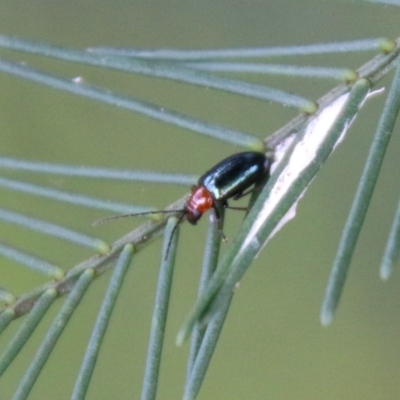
(235, 174)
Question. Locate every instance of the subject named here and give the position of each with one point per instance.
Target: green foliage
(299, 148)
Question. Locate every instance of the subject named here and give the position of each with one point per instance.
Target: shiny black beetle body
(235, 174)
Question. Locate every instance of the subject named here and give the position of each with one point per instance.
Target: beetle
(229, 179)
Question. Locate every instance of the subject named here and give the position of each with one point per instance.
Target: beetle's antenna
(104, 220)
(182, 211)
(173, 232)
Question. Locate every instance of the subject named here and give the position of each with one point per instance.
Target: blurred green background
(272, 346)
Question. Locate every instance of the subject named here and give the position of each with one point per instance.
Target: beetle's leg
(238, 208)
(219, 220)
(226, 205)
(241, 194)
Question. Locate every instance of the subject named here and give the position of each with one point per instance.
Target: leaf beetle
(229, 179)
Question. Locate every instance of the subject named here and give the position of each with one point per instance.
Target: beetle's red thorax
(198, 203)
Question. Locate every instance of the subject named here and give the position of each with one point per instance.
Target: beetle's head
(193, 216)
